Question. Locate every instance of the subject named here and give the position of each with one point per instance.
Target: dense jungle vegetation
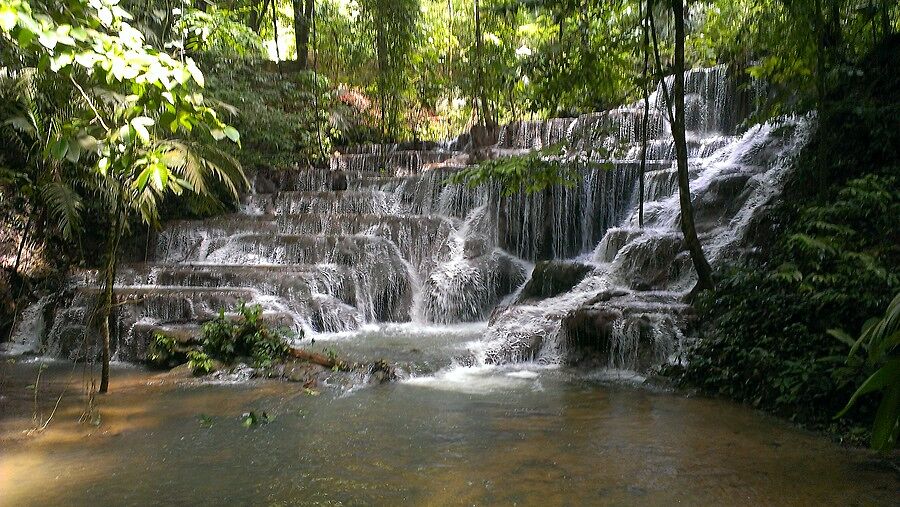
(118, 114)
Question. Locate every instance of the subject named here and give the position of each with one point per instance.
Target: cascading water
(380, 236)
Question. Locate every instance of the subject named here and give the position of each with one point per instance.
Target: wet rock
(475, 247)
(606, 295)
(381, 371)
(240, 372)
(337, 181)
(302, 372)
(551, 278)
(264, 185)
(482, 136)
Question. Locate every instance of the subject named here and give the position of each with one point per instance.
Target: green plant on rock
(217, 338)
(879, 339)
(163, 351)
(246, 336)
(199, 362)
(531, 173)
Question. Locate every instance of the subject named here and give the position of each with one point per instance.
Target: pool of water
(524, 435)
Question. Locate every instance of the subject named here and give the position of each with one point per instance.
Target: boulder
(551, 278)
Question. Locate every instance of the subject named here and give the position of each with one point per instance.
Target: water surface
(463, 436)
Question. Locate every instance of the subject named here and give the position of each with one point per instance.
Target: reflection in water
(478, 436)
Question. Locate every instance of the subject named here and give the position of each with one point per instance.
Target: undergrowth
(226, 340)
(829, 261)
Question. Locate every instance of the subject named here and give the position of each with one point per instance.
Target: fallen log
(319, 359)
(381, 371)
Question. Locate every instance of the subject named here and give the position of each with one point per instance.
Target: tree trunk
(479, 57)
(819, 23)
(886, 18)
(107, 297)
(704, 272)
(645, 120)
(275, 31)
(302, 17)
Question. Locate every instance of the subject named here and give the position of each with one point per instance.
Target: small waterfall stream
(380, 237)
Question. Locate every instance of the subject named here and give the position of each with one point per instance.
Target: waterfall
(380, 236)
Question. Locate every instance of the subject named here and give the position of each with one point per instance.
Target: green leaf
(883, 377)
(232, 134)
(884, 429)
(58, 149)
(7, 18)
(140, 125)
(842, 336)
(195, 73)
(74, 152)
(25, 37)
(142, 178)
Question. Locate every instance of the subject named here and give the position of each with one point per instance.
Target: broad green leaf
(876, 382)
(195, 72)
(74, 152)
(7, 18)
(884, 429)
(140, 125)
(842, 336)
(142, 178)
(58, 149)
(232, 134)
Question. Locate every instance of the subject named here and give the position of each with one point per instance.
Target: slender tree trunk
(820, 89)
(275, 30)
(886, 18)
(22, 244)
(645, 120)
(315, 68)
(479, 57)
(381, 57)
(302, 17)
(107, 300)
(15, 274)
(704, 272)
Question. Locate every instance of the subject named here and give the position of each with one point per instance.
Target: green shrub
(829, 261)
(280, 115)
(199, 362)
(880, 338)
(248, 336)
(163, 352)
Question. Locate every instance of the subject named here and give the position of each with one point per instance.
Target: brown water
(480, 437)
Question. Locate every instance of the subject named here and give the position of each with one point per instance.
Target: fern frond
(64, 205)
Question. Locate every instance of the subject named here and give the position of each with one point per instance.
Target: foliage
(199, 362)
(765, 341)
(532, 172)
(247, 336)
(138, 97)
(831, 260)
(279, 114)
(880, 339)
(393, 26)
(163, 351)
(219, 32)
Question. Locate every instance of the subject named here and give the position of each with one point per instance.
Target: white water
(401, 257)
